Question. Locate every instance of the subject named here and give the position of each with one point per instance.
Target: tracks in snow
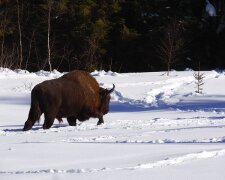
(188, 158)
(155, 131)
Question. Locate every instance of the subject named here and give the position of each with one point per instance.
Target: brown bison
(75, 95)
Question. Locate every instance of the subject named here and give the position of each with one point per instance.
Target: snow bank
(103, 73)
(18, 73)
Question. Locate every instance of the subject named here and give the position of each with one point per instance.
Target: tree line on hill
(117, 35)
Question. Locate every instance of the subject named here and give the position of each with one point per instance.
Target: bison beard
(75, 95)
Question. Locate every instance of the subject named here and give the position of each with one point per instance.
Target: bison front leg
(100, 117)
(72, 121)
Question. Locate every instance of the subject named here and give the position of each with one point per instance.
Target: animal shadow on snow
(19, 128)
(204, 103)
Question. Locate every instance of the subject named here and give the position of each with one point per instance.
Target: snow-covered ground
(157, 128)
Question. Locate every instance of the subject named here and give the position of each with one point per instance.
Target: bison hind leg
(34, 115)
(49, 120)
(28, 125)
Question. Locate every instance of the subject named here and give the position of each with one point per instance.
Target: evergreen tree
(121, 35)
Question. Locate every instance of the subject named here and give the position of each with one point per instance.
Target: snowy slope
(157, 128)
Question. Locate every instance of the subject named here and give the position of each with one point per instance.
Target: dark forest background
(117, 35)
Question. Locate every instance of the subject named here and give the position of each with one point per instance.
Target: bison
(75, 95)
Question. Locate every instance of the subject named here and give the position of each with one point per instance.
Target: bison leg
(49, 120)
(34, 115)
(100, 121)
(72, 121)
(28, 125)
(59, 119)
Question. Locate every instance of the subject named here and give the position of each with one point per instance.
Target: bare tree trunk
(171, 51)
(3, 41)
(3, 26)
(20, 35)
(2, 46)
(29, 52)
(168, 68)
(49, 29)
(171, 45)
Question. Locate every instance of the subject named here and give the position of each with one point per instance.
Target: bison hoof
(28, 125)
(26, 129)
(46, 126)
(100, 123)
(72, 125)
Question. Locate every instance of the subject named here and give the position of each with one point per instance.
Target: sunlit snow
(157, 128)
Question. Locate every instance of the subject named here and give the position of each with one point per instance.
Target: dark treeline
(117, 35)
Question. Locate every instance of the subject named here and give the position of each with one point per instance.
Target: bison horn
(111, 90)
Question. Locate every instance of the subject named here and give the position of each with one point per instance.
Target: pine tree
(199, 77)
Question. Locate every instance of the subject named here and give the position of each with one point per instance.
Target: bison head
(105, 99)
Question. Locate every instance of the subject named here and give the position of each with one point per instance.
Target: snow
(157, 128)
(210, 9)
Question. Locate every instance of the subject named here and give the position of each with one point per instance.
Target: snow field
(158, 128)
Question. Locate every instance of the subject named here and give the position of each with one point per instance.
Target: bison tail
(34, 114)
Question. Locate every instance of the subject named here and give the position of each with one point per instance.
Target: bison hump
(84, 79)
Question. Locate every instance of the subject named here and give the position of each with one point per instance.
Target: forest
(117, 35)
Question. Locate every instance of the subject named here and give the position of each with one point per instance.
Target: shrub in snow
(199, 77)
(199, 82)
